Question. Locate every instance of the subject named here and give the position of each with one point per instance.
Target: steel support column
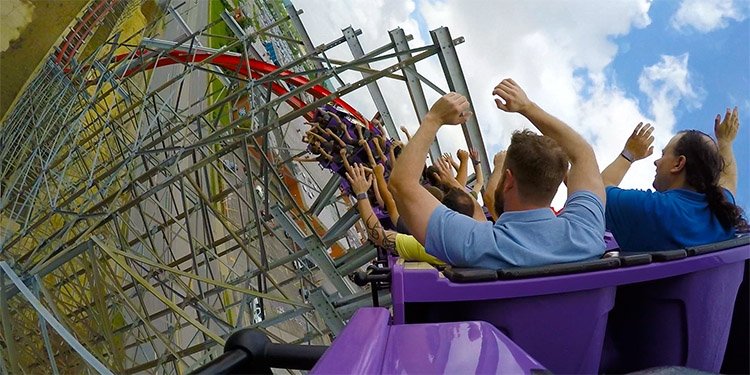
(7, 328)
(54, 323)
(372, 87)
(327, 312)
(45, 334)
(326, 195)
(401, 45)
(315, 248)
(339, 228)
(457, 83)
(239, 32)
(186, 28)
(297, 22)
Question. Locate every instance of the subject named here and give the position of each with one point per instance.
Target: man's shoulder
(583, 196)
(444, 215)
(582, 199)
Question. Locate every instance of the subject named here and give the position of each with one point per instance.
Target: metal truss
(149, 201)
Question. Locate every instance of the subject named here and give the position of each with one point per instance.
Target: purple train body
(636, 311)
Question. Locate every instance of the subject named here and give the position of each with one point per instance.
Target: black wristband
(476, 162)
(627, 156)
(361, 196)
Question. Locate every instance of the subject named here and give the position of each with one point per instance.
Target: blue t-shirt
(643, 220)
(520, 238)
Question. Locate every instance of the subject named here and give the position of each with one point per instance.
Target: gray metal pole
(401, 45)
(54, 323)
(186, 28)
(457, 83)
(297, 22)
(372, 87)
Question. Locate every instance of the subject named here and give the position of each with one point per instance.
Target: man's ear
(679, 164)
(508, 181)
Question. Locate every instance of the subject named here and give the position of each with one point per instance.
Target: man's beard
(499, 199)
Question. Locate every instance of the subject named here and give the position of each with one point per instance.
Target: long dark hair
(703, 167)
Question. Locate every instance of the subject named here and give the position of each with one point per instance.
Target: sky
(600, 66)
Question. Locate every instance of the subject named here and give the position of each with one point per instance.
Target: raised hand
(639, 144)
(462, 155)
(451, 109)
(726, 130)
(449, 158)
(406, 131)
(474, 155)
(358, 179)
(445, 173)
(376, 117)
(514, 99)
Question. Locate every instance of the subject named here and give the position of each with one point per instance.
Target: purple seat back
(369, 345)
(360, 347)
(672, 313)
(563, 331)
(609, 242)
(678, 321)
(561, 325)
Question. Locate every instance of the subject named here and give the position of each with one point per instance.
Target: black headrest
(661, 256)
(469, 275)
(473, 275)
(558, 269)
(717, 246)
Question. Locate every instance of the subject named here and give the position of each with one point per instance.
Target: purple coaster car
(671, 313)
(369, 345)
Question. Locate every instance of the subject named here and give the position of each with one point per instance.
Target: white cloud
(325, 20)
(559, 51)
(666, 83)
(707, 15)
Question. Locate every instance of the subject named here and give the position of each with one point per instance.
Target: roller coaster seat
(672, 308)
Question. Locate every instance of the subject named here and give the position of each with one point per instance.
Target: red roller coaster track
(249, 68)
(255, 69)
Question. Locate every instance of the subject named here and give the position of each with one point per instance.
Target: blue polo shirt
(644, 220)
(520, 238)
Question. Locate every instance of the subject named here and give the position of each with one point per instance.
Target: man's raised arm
(584, 172)
(492, 183)
(360, 184)
(415, 204)
(725, 132)
(637, 147)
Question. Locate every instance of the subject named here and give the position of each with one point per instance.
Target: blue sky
(601, 66)
(719, 65)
